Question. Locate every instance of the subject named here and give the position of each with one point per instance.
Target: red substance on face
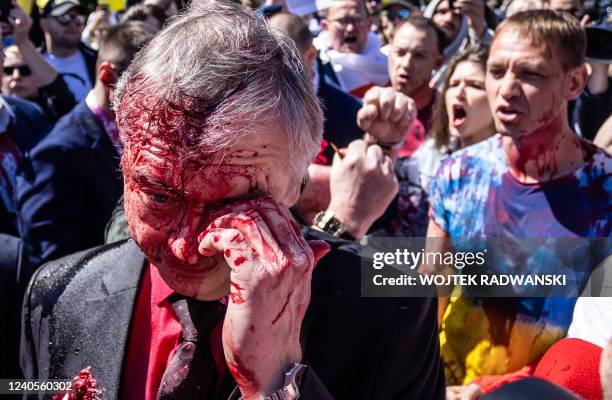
(235, 238)
(237, 295)
(228, 252)
(239, 260)
(216, 238)
(282, 311)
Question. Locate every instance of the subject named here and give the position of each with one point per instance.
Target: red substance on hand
(239, 260)
(236, 296)
(243, 377)
(282, 311)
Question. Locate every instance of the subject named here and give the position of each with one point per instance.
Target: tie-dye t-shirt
(474, 195)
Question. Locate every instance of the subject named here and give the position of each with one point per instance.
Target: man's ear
(107, 74)
(577, 79)
(310, 55)
(324, 24)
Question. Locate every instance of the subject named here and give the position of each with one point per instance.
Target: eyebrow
(146, 179)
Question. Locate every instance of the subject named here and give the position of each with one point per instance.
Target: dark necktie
(191, 374)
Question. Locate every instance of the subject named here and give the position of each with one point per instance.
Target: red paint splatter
(235, 238)
(236, 296)
(227, 252)
(84, 387)
(239, 260)
(216, 238)
(244, 377)
(282, 311)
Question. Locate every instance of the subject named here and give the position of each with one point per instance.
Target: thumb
(320, 248)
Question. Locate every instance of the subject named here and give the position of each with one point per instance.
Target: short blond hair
(557, 29)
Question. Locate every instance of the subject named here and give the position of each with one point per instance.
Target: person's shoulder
(66, 132)
(24, 106)
(597, 166)
(87, 51)
(78, 271)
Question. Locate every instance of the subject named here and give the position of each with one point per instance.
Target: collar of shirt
(160, 290)
(106, 119)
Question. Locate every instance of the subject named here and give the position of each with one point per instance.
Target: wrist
(350, 218)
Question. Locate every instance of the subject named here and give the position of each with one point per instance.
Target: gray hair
(213, 76)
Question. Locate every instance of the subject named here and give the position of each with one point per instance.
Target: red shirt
(154, 336)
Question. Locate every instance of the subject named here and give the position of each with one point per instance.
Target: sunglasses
(24, 70)
(402, 14)
(65, 19)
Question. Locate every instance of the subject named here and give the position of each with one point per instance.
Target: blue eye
(159, 197)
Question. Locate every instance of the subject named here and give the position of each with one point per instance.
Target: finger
(366, 115)
(399, 109)
(386, 103)
(319, 248)
(409, 116)
(375, 153)
(230, 243)
(372, 96)
(253, 228)
(387, 166)
(356, 149)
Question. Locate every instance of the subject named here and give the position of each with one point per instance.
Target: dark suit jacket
(340, 112)
(68, 187)
(27, 128)
(77, 313)
(14, 276)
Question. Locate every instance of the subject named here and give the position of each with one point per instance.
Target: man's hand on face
(475, 13)
(271, 268)
(362, 185)
(386, 115)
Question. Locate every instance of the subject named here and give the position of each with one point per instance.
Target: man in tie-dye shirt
(535, 179)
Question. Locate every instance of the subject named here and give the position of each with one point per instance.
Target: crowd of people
(188, 190)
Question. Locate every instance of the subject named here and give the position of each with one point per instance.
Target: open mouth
(507, 114)
(351, 39)
(459, 115)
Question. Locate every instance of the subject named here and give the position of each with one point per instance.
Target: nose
(461, 91)
(406, 61)
(184, 243)
(16, 73)
(509, 86)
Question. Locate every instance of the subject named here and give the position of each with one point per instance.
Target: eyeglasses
(344, 22)
(402, 14)
(24, 70)
(65, 19)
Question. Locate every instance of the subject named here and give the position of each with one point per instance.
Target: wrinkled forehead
(512, 38)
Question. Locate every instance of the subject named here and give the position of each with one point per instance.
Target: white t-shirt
(74, 71)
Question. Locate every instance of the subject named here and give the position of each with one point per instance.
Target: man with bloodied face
(535, 179)
(216, 296)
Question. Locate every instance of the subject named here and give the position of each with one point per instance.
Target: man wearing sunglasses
(62, 23)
